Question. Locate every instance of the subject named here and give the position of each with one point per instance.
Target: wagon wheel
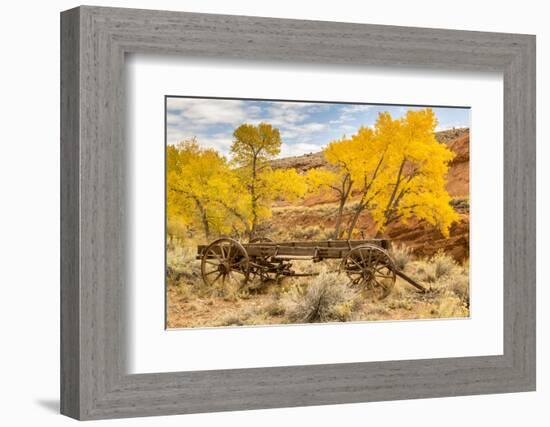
(371, 268)
(225, 261)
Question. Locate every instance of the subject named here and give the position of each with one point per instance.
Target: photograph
(297, 212)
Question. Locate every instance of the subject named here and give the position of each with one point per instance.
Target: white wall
(29, 225)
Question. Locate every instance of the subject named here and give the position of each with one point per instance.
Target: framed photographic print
(323, 212)
(292, 217)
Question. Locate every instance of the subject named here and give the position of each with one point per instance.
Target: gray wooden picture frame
(94, 382)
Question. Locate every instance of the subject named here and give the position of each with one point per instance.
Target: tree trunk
(205, 225)
(253, 195)
(344, 194)
(355, 218)
(204, 219)
(389, 208)
(339, 217)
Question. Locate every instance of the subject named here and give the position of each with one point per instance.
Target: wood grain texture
(95, 237)
(70, 292)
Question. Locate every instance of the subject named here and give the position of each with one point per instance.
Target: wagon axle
(367, 263)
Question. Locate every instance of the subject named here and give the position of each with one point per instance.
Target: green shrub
(443, 264)
(326, 298)
(274, 308)
(401, 255)
(451, 306)
(459, 285)
(181, 265)
(425, 272)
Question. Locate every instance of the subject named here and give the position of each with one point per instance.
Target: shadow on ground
(51, 405)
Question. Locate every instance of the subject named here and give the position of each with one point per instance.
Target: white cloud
(173, 136)
(349, 112)
(218, 142)
(200, 118)
(313, 127)
(287, 113)
(196, 115)
(290, 150)
(172, 119)
(356, 108)
(201, 112)
(302, 131)
(445, 126)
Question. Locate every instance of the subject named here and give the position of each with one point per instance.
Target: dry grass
(323, 298)
(181, 265)
(436, 268)
(443, 264)
(309, 233)
(402, 255)
(327, 298)
(458, 285)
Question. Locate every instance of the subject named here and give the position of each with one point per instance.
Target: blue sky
(305, 126)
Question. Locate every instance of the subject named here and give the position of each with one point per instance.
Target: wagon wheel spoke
(227, 256)
(357, 280)
(362, 257)
(380, 269)
(369, 262)
(215, 255)
(355, 277)
(211, 272)
(238, 263)
(382, 285)
(371, 268)
(368, 283)
(353, 261)
(222, 250)
(354, 268)
(355, 273)
(216, 278)
(232, 257)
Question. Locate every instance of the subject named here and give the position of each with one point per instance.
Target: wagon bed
(297, 250)
(366, 262)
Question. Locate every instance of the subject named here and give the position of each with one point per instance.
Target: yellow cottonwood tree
(252, 149)
(202, 189)
(399, 170)
(338, 181)
(357, 162)
(417, 174)
(368, 160)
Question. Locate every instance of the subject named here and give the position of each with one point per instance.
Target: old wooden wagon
(367, 263)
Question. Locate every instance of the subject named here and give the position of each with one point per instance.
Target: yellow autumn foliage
(396, 168)
(202, 190)
(399, 169)
(209, 194)
(252, 149)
